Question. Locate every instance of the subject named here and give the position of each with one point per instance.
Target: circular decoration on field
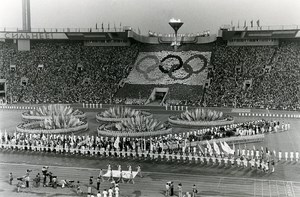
(174, 66)
(45, 112)
(116, 114)
(201, 117)
(55, 118)
(135, 127)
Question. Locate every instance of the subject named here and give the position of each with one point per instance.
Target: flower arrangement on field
(201, 114)
(137, 124)
(120, 112)
(55, 110)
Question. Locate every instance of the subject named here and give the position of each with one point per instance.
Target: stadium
(108, 111)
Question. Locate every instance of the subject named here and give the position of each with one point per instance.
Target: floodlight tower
(26, 15)
(175, 24)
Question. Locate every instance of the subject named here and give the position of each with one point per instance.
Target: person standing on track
(98, 183)
(101, 175)
(27, 179)
(167, 189)
(194, 190)
(171, 188)
(179, 190)
(130, 178)
(121, 177)
(117, 191)
(10, 178)
(139, 171)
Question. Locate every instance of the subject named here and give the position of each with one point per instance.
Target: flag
(96, 26)
(108, 26)
(102, 26)
(116, 143)
(209, 148)
(120, 24)
(151, 145)
(257, 22)
(245, 24)
(216, 148)
(238, 24)
(251, 23)
(139, 31)
(228, 149)
(223, 147)
(201, 150)
(231, 23)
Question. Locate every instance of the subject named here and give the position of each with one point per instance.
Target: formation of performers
(169, 143)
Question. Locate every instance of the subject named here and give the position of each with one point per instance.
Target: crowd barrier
(144, 155)
(176, 107)
(92, 105)
(270, 115)
(13, 107)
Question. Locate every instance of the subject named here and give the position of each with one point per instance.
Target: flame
(173, 20)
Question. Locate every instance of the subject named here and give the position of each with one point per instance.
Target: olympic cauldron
(175, 24)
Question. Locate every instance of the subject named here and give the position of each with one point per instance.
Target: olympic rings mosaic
(170, 72)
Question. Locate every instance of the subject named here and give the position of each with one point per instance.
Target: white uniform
(286, 156)
(292, 156)
(279, 155)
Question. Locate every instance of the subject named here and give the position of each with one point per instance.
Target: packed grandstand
(235, 76)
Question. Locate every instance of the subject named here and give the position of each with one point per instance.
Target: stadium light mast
(175, 24)
(26, 15)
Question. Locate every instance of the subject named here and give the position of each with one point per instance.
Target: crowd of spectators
(70, 71)
(273, 72)
(245, 76)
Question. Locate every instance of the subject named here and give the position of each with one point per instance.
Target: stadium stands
(272, 75)
(248, 76)
(71, 72)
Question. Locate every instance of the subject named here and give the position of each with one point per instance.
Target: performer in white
(129, 168)
(279, 156)
(292, 156)
(108, 168)
(139, 171)
(101, 175)
(286, 156)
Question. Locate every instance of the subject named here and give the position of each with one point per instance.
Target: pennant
(257, 22)
(116, 143)
(209, 148)
(201, 150)
(216, 148)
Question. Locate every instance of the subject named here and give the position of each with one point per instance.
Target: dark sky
(197, 15)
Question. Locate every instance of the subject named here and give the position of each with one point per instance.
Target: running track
(152, 183)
